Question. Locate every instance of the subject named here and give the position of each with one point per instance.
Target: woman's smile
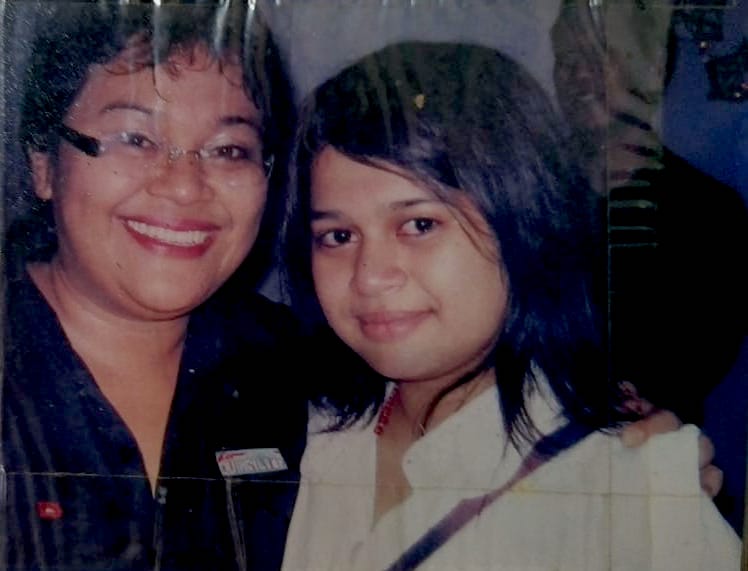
(185, 238)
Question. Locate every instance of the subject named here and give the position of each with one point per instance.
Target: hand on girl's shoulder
(664, 421)
(663, 473)
(656, 421)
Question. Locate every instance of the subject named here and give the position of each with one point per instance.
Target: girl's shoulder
(665, 464)
(341, 456)
(656, 515)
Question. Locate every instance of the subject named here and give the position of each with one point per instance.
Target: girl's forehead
(338, 177)
(340, 181)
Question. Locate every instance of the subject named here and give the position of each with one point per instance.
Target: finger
(706, 451)
(711, 479)
(638, 406)
(635, 434)
(632, 402)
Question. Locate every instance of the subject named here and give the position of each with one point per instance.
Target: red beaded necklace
(384, 413)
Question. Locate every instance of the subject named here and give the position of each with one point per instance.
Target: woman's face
(154, 238)
(412, 284)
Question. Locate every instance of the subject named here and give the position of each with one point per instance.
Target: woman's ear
(41, 173)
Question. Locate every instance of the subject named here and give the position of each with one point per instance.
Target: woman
(450, 242)
(132, 438)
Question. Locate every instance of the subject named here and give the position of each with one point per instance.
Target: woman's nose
(180, 177)
(377, 269)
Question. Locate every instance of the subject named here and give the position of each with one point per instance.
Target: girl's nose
(377, 269)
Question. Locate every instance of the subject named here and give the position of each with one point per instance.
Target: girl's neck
(403, 421)
(415, 401)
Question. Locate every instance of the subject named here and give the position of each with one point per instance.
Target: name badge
(250, 461)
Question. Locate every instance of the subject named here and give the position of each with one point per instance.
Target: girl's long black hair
(466, 119)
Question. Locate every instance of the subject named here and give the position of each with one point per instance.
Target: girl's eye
(333, 238)
(418, 226)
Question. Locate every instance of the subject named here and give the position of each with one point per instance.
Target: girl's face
(164, 215)
(409, 282)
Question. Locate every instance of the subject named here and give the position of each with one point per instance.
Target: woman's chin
(166, 302)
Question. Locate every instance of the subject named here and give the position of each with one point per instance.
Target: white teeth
(184, 238)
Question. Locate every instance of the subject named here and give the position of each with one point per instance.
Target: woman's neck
(93, 329)
(135, 363)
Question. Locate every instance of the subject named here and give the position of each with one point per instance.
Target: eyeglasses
(136, 153)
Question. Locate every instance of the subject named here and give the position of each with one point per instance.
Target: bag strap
(544, 450)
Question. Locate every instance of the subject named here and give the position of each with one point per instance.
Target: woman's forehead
(195, 83)
(195, 55)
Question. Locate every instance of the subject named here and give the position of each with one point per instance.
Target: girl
(441, 227)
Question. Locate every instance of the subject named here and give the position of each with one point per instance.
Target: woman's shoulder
(250, 317)
(30, 324)
(262, 308)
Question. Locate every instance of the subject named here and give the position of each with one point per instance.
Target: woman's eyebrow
(227, 120)
(252, 122)
(125, 106)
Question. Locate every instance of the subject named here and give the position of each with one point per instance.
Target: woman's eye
(418, 226)
(333, 238)
(137, 141)
(233, 153)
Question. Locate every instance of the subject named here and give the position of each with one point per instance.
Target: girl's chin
(403, 371)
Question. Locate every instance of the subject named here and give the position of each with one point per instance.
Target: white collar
(455, 453)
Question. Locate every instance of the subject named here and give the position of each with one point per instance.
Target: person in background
(143, 426)
(704, 121)
(664, 213)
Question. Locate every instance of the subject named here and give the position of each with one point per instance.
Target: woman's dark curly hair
(72, 37)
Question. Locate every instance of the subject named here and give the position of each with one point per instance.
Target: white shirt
(598, 506)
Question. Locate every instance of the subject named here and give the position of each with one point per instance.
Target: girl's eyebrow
(326, 215)
(403, 204)
(394, 206)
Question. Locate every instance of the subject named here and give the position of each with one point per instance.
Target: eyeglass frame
(91, 146)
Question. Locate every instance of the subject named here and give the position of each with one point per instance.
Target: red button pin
(49, 510)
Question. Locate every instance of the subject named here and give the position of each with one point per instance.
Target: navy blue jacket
(77, 494)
